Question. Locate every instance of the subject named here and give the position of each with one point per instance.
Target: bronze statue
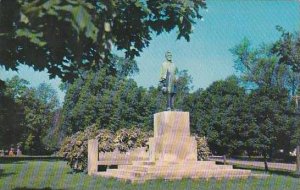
(168, 79)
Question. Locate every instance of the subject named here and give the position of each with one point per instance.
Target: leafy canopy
(287, 48)
(65, 37)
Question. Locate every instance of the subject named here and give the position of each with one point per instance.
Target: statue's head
(168, 56)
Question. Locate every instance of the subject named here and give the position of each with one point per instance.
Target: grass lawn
(57, 175)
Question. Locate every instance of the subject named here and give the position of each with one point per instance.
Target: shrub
(202, 148)
(74, 148)
(126, 139)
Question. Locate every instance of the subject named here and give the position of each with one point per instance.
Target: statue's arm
(163, 73)
(162, 79)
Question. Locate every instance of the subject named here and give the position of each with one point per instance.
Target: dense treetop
(65, 37)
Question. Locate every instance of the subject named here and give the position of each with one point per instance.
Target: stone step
(178, 173)
(133, 179)
(209, 173)
(164, 163)
(118, 176)
(186, 163)
(150, 168)
(143, 163)
(234, 173)
(125, 172)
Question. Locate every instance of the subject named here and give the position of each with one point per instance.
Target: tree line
(252, 113)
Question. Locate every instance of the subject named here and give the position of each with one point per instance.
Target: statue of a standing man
(168, 79)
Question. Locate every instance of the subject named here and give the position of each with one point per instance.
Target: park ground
(55, 175)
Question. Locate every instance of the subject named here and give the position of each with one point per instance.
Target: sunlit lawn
(57, 175)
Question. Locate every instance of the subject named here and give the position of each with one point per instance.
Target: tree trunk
(286, 152)
(298, 159)
(265, 162)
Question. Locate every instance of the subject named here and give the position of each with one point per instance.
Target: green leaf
(81, 19)
(32, 37)
(24, 18)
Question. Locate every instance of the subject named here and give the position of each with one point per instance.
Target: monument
(172, 152)
(168, 79)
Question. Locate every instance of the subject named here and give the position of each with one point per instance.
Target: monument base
(172, 155)
(141, 171)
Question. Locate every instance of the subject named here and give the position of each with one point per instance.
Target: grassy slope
(57, 175)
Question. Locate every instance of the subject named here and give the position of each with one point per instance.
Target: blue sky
(206, 57)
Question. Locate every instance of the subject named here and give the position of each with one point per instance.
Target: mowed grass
(25, 175)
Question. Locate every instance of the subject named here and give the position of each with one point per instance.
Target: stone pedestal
(172, 141)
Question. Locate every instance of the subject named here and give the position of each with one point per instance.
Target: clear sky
(206, 57)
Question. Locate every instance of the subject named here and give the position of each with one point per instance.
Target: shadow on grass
(271, 171)
(27, 188)
(21, 160)
(2, 174)
(12, 162)
(72, 172)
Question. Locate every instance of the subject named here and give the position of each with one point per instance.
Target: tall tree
(261, 67)
(12, 111)
(220, 115)
(296, 135)
(66, 37)
(102, 97)
(269, 72)
(26, 115)
(273, 121)
(40, 105)
(234, 122)
(11, 116)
